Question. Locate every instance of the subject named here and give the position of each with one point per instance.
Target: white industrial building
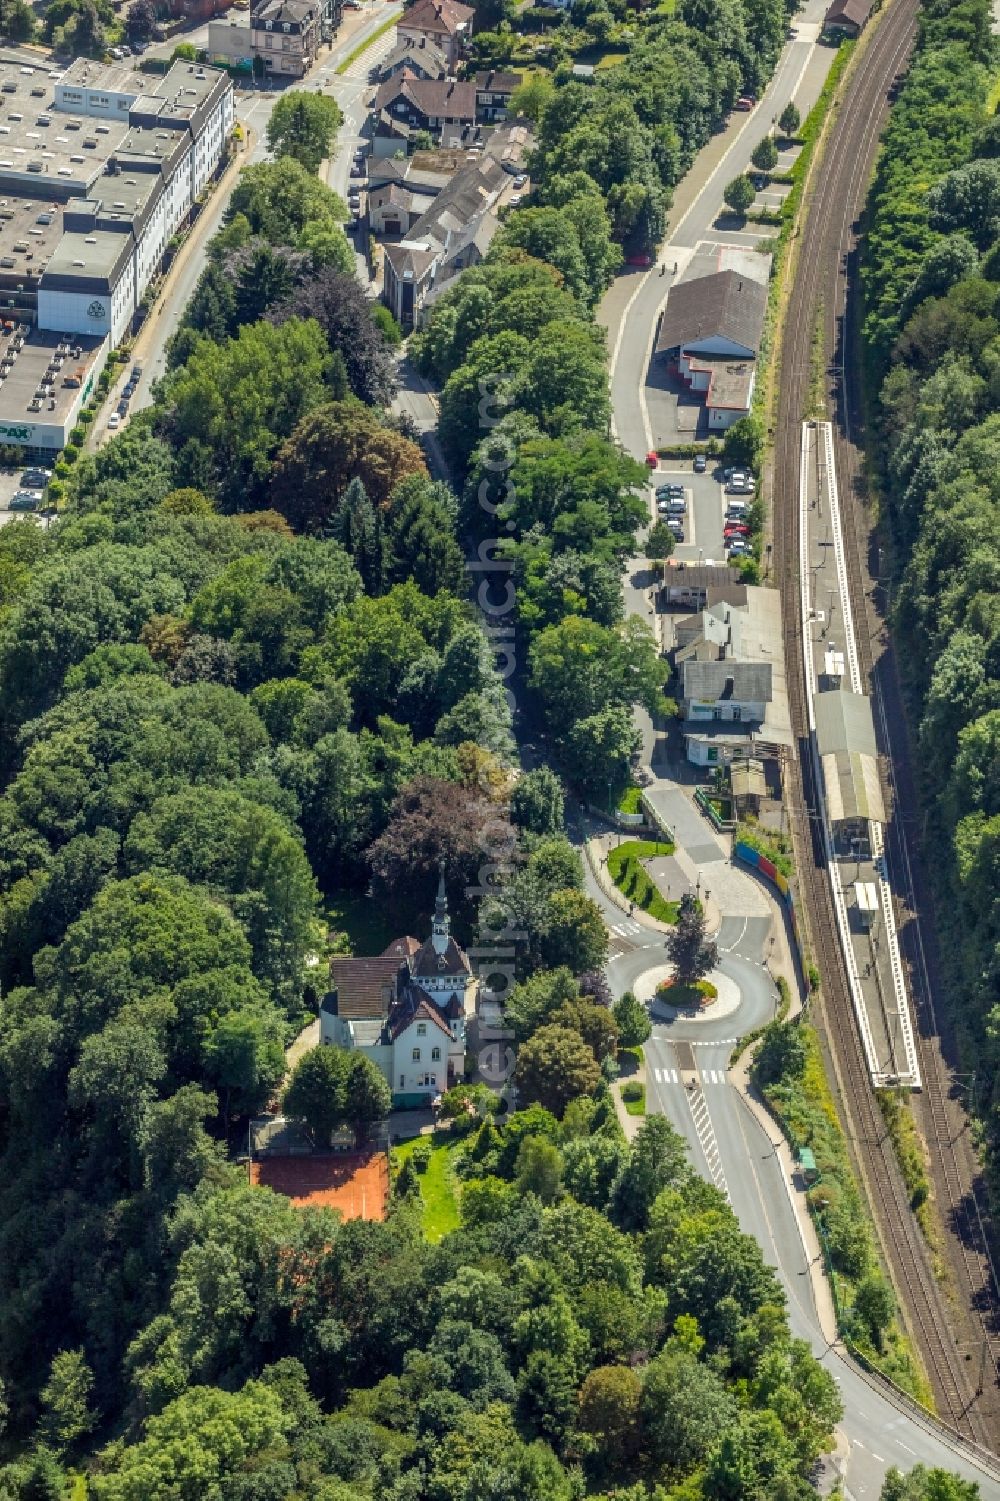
(99, 168)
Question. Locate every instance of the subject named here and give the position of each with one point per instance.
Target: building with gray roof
(730, 662)
(99, 168)
(845, 740)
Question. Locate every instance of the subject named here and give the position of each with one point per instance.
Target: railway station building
(845, 740)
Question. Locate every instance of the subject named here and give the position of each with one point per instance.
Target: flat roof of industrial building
(91, 258)
(32, 366)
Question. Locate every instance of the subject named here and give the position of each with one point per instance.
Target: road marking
(709, 1144)
(739, 940)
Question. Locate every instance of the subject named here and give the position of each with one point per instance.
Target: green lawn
(630, 800)
(635, 1100)
(633, 881)
(684, 996)
(362, 919)
(437, 1188)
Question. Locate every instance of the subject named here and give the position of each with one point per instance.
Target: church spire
(442, 924)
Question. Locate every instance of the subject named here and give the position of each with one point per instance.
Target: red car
(639, 258)
(652, 458)
(745, 102)
(736, 531)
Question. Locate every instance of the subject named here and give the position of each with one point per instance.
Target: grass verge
(767, 842)
(626, 870)
(437, 1187)
(788, 1071)
(362, 47)
(634, 1098)
(911, 1153)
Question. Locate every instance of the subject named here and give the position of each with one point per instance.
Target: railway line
(820, 284)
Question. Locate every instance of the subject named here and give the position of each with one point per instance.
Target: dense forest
(931, 276)
(239, 677)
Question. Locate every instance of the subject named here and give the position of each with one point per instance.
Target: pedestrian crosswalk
(626, 928)
(379, 50)
(673, 1076)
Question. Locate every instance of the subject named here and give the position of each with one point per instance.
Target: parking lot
(706, 502)
(10, 483)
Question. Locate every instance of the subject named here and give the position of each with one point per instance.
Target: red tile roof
(437, 16)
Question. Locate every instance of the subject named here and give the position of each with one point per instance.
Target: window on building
(435, 1055)
(737, 712)
(416, 1055)
(402, 1080)
(421, 1029)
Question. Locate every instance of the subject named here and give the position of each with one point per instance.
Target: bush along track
(788, 1070)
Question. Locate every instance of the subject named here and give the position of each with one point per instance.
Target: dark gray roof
(853, 13)
(712, 682)
(844, 722)
(497, 83)
(440, 98)
(727, 305)
(845, 738)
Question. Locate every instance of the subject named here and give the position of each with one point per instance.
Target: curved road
(730, 1147)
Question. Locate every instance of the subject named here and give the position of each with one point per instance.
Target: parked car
(700, 463)
(739, 549)
(357, 168)
(734, 533)
(515, 200)
(35, 479)
(666, 492)
(25, 500)
(521, 180)
(113, 421)
(136, 373)
(672, 507)
(652, 459)
(675, 523)
(678, 533)
(745, 102)
(640, 258)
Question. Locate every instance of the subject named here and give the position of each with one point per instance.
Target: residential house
(845, 740)
(393, 209)
(730, 662)
(454, 233)
(407, 1010)
(446, 23)
(493, 95)
(405, 105)
(849, 17)
(688, 584)
(419, 56)
(710, 333)
(286, 35)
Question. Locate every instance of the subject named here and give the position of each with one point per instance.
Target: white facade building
(407, 1009)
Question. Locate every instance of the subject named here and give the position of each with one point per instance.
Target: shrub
(421, 1156)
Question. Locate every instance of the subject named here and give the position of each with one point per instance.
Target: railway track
(836, 200)
(955, 1169)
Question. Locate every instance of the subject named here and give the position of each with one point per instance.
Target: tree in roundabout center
(693, 955)
(739, 194)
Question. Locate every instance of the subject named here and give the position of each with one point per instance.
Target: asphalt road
(253, 110)
(730, 1148)
(632, 307)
